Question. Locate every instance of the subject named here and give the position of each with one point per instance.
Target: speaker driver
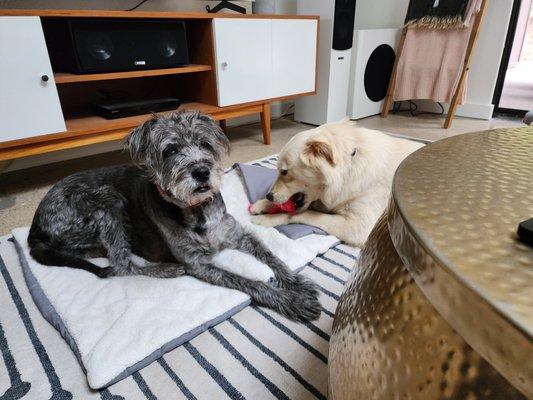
(378, 71)
(99, 45)
(167, 46)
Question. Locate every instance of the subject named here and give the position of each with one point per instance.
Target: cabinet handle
(45, 78)
(224, 64)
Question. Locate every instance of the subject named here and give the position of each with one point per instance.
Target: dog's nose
(201, 174)
(270, 196)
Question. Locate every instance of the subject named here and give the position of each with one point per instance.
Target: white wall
(371, 14)
(486, 60)
(275, 7)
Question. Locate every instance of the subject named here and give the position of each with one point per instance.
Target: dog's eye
(283, 172)
(170, 150)
(207, 146)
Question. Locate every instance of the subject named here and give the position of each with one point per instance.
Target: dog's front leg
(298, 306)
(271, 220)
(261, 207)
(286, 278)
(347, 228)
(115, 240)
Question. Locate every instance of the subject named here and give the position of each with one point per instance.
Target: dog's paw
(260, 207)
(301, 306)
(300, 284)
(270, 220)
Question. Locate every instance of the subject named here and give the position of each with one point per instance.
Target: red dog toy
(288, 207)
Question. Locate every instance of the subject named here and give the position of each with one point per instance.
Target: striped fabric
(256, 354)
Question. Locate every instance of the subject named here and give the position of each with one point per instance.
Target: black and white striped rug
(256, 354)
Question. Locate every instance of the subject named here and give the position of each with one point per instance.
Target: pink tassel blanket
(431, 61)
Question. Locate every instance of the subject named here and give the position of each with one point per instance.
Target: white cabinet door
(244, 59)
(29, 106)
(294, 45)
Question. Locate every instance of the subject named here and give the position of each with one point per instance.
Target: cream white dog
(339, 177)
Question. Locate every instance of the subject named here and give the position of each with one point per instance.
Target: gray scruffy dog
(168, 209)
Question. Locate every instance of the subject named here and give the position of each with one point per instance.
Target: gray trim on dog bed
(43, 304)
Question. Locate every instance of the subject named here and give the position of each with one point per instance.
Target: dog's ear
(218, 134)
(319, 150)
(223, 140)
(138, 140)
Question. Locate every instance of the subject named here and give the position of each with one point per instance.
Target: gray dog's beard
(191, 201)
(183, 194)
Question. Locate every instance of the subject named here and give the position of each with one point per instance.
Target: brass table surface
(454, 213)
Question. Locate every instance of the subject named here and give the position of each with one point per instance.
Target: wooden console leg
(265, 123)
(222, 123)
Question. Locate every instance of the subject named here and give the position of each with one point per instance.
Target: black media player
(112, 109)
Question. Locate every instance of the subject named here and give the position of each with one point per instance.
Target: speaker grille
(343, 24)
(119, 45)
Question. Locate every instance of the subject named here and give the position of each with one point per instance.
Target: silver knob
(224, 64)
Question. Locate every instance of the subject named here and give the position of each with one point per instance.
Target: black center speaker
(108, 45)
(343, 24)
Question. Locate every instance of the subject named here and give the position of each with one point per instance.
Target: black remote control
(525, 231)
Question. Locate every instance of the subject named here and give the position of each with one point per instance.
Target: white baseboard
(478, 111)
(469, 110)
(277, 110)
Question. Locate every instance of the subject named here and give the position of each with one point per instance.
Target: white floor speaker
(334, 53)
(373, 57)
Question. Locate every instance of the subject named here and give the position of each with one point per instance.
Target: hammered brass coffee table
(441, 306)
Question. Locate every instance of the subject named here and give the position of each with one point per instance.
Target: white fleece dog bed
(117, 326)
